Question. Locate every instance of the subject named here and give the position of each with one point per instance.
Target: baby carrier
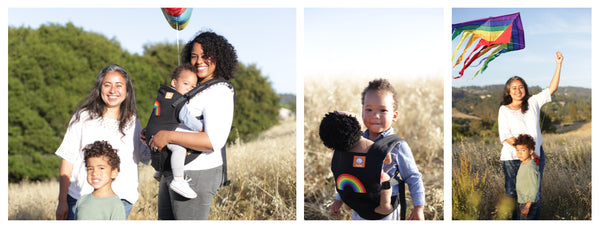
(357, 178)
(165, 116)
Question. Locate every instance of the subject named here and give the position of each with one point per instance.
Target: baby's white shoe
(182, 187)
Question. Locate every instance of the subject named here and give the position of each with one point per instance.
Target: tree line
(51, 69)
(569, 105)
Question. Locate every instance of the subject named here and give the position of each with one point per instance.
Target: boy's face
(99, 173)
(523, 153)
(187, 81)
(378, 111)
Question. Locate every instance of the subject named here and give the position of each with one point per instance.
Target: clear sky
(263, 36)
(374, 42)
(547, 30)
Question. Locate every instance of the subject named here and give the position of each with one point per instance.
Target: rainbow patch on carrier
(347, 180)
(156, 108)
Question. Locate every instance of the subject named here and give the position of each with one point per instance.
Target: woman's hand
(160, 140)
(143, 136)
(556, 78)
(559, 57)
(62, 211)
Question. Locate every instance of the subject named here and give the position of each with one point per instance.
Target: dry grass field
(478, 180)
(262, 174)
(420, 122)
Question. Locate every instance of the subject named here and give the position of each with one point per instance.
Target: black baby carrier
(357, 178)
(165, 116)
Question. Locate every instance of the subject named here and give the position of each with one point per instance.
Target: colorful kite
(496, 34)
(178, 18)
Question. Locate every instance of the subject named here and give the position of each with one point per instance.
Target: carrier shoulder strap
(186, 97)
(190, 157)
(388, 143)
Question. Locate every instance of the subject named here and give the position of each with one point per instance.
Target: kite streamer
(496, 35)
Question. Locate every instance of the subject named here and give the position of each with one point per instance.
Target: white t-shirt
(130, 149)
(215, 104)
(511, 123)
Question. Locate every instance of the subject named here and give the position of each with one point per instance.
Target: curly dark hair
(216, 48)
(507, 99)
(380, 85)
(184, 66)
(339, 131)
(102, 149)
(525, 139)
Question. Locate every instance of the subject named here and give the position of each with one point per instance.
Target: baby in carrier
(341, 132)
(166, 117)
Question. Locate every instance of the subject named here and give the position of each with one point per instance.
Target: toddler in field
(528, 177)
(102, 163)
(341, 132)
(165, 116)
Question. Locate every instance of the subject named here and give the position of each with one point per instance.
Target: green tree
(52, 69)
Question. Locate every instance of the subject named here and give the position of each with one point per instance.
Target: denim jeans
(510, 168)
(541, 168)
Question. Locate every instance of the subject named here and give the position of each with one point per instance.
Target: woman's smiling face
(205, 65)
(114, 89)
(517, 90)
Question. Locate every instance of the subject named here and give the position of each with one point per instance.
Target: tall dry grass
(420, 122)
(262, 174)
(566, 185)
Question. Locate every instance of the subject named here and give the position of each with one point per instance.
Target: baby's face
(187, 81)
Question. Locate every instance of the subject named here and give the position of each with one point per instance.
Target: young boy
(341, 132)
(380, 110)
(102, 164)
(183, 80)
(528, 177)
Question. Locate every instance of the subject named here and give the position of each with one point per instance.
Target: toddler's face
(99, 173)
(523, 153)
(378, 111)
(187, 81)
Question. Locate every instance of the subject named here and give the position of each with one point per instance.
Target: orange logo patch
(168, 95)
(359, 161)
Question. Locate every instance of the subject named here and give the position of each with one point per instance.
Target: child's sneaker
(157, 176)
(182, 187)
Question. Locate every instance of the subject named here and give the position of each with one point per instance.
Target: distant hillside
(475, 109)
(568, 103)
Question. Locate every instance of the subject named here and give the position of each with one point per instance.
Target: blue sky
(547, 30)
(263, 36)
(373, 42)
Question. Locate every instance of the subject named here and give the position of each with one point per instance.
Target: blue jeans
(510, 168)
(541, 168)
(72, 202)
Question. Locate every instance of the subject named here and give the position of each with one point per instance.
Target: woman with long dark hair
(108, 113)
(519, 113)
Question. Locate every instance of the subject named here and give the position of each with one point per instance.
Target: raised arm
(556, 78)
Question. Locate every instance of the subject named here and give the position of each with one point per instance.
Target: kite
(496, 34)
(178, 18)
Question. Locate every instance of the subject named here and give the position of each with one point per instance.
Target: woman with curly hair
(519, 113)
(108, 113)
(214, 57)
